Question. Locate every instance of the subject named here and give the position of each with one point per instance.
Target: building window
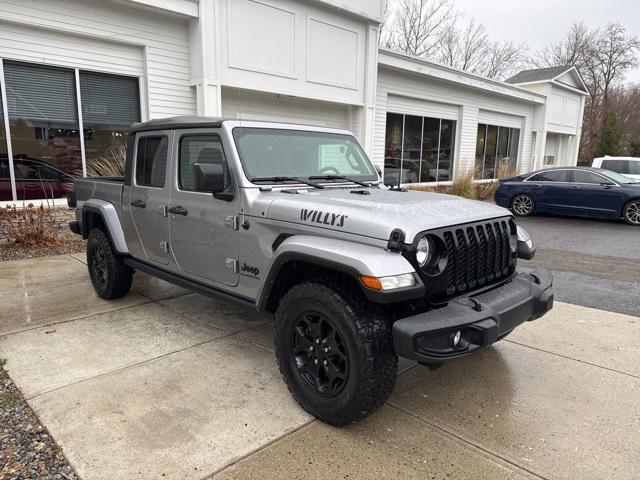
(106, 117)
(418, 149)
(45, 128)
(496, 151)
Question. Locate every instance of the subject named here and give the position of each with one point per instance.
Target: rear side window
(151, 161)
(580, 176)
(618, 166)
(550, 176)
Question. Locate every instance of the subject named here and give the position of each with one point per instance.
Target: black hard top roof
(185, 121)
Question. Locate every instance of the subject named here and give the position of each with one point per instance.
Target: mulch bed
(70, 242)
(27, 450)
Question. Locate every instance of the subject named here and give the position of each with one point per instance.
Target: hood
(379, 212)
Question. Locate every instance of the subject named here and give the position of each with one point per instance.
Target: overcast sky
(543, 21)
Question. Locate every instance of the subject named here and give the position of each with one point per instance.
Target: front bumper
(482, 319)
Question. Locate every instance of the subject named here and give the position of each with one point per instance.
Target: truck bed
(108, 189)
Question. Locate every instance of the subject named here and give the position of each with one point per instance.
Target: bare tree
(464, 48)
(417, 26)
(503, 59)
(573, 49)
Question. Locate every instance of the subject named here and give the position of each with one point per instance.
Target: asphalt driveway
(169, 384)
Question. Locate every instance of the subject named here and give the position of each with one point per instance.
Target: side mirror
(526, 250)
(208, 177)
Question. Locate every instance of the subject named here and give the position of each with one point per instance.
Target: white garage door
(421, 108)
(250, 105)
(28, 44)
(499, 119)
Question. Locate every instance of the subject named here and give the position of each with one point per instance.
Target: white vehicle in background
(627, 166)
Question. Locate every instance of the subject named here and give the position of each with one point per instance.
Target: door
(594, 194)
(550, 190)
(145, 203)
(204, 227)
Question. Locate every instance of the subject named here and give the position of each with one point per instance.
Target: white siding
(468, 102)
(500, 119)
(250, 105)
(107, 37)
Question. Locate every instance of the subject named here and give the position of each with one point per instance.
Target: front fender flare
(353, 259)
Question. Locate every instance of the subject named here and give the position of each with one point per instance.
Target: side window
(581, 176)
(550, 176)
(634, 167)
(196, 153)
(151, 161)
(618, 166)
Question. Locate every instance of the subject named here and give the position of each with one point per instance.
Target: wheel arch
(101, 214)
(302, 257)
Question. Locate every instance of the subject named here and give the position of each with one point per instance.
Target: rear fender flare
(109, 215)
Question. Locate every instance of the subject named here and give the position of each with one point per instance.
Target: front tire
(110, 277)
(631, 212)
(523, 205)
(334, 351)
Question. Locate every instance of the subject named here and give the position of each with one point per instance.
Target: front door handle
(138, 204)
(178, 210)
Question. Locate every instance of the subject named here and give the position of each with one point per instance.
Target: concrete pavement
(168, 384)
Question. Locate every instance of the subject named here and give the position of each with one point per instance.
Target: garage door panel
(251, 105)
(422, 108)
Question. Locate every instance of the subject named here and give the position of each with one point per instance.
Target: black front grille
(477, 255)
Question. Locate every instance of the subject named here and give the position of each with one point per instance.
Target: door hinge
(232, 221)
(233, 264)
(165, 247)
(163, 210)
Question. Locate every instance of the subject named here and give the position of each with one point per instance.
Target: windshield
(618, 177)
(270, 152)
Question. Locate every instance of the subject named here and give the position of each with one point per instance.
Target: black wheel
(334, 351)
(523, 205)
(631, 212)
(110, 277)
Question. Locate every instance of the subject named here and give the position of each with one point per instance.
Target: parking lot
(169, 384)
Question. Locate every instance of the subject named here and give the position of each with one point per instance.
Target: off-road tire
(110, 277)
(630, 213)
(527, 208)
(365, 335)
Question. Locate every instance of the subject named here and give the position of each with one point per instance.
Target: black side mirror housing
(208, 177)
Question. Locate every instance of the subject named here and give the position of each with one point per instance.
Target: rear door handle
(138, 204)
(178, 210)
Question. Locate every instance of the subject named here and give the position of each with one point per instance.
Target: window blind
(109, 100)
(39, 92)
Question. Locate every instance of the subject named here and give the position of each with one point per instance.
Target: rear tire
(334, 351)
(523, 205)
(631, 213)
(110, 277)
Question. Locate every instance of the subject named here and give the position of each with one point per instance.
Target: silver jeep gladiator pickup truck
(293, 221)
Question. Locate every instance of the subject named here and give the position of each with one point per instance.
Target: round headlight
(423, 251)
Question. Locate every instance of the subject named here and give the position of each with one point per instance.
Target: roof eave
(401, 61)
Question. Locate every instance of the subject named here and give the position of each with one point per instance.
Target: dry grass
(32, 227)
(110, 165)
(463, 185)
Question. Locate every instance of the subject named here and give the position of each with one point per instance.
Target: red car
(35, 179)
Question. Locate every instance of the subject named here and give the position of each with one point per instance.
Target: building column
(203, 43)
(368, 117)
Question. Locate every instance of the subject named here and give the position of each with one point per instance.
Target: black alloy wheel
(334, 350)
(319, 354)
(110, 277)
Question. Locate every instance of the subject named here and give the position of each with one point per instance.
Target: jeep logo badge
(323, 218)
(250, 270)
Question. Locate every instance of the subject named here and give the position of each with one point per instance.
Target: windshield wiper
(286, 179)
(339, 177)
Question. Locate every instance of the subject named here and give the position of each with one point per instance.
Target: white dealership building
(74, 74)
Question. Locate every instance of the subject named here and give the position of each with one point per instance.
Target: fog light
(456, 338)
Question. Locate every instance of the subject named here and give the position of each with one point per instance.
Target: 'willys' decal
(323, 218)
